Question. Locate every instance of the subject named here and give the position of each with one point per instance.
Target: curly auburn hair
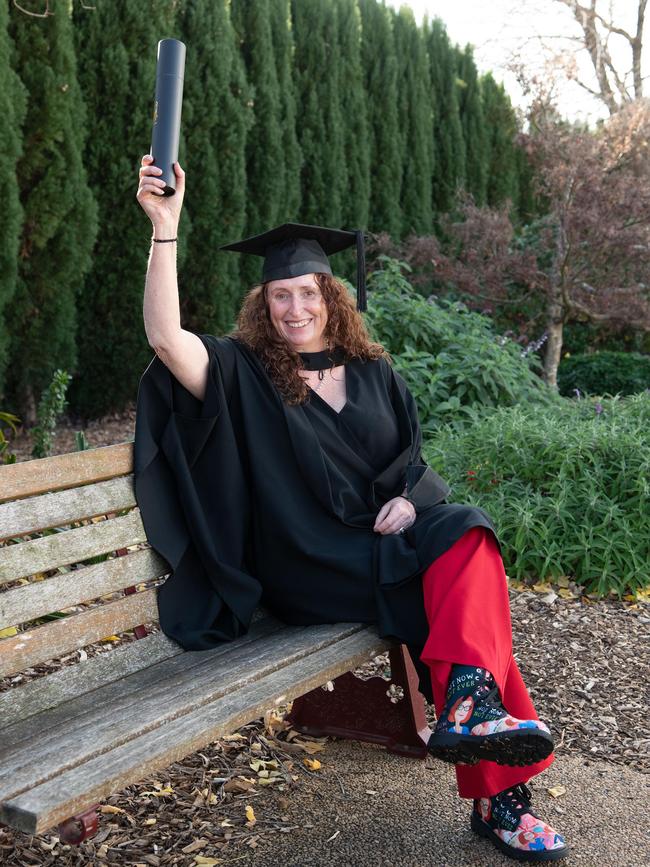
(344, 328)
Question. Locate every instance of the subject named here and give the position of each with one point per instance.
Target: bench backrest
(62, 515)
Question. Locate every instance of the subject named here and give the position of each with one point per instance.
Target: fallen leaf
(207, 862)
(109, 808)
(312, 764)
(542, 587)
(197, 844)
(250, 814)
(235, 737)
(8, 631)
(238, 785)
(557, 791)
(310, 747)
(159, 792)
(565, 594)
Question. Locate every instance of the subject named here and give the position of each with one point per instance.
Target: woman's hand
(161, 210)
(394, 515)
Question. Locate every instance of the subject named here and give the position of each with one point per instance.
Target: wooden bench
(72, 542)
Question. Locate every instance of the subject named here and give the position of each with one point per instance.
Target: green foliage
(116, 50)
(356, 165)
(53, 402)
(415, 118)
(450, 357)
(81, 443)
(265, 168)
(10, 419)
(604, 373)
(448, 143)
(567, 486)
(13, 107)
(320, 122)
(380, 69)
(217, 116)
(501, 131)
(59, 210)
(474, 124)
(282, 36)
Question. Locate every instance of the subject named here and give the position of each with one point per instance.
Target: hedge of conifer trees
(338, 112)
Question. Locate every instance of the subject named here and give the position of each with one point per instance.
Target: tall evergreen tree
(501, 131)
(218, 113)
(282, 38)
(448, 142)
(415, 117)
(13, 108)
(528, 205)
(320, 126)
(265, 169)
(474, 125)
(380, 71)
(356, 161)
(116, 46)
(60, 213)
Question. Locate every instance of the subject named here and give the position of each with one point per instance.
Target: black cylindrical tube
(170, 73)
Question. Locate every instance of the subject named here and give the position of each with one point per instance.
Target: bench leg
(80, 827)
(362, 710)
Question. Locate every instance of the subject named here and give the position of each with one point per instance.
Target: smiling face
(298, 312)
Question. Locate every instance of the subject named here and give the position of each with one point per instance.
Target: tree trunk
(554, 329)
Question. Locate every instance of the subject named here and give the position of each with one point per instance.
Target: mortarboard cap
(293, 249)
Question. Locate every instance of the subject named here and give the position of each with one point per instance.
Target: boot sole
(516, 748)
(483, 830)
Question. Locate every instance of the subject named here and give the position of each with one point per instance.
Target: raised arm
(182, 352)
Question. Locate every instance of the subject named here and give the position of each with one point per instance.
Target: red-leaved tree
(587, 258)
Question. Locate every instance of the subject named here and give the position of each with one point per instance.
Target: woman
(282, 465)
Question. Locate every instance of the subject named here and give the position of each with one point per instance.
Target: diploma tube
(170, 73)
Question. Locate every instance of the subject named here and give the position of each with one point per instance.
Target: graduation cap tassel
(361, 273)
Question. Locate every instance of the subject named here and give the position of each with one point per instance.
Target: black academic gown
(252, 501)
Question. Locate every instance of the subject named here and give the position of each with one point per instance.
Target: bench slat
(176, 694)
(42, 643)
(27, 478)
(38, 598)
(43, 693)
(107, 697)
(53, 510)
(42, 807)
(70, 546)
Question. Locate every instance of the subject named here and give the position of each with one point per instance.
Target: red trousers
(468, 610)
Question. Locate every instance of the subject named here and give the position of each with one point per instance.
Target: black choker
(324, 359)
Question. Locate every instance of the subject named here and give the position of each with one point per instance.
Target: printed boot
(513, 827)
(474, 725)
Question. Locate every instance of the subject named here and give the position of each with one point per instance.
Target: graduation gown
(252, 501)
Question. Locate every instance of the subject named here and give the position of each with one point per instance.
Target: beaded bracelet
(163, 241)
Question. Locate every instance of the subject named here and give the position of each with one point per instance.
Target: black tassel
(361, 273)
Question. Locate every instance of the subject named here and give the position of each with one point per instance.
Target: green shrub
(7, 457)
(53, 402)
(604, 373)
(453, 362)
(567, 487)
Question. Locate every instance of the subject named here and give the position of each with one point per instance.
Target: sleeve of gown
(424, 487)
(191, 488)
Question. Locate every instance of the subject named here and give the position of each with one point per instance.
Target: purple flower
(598, 408)
(576, 391)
